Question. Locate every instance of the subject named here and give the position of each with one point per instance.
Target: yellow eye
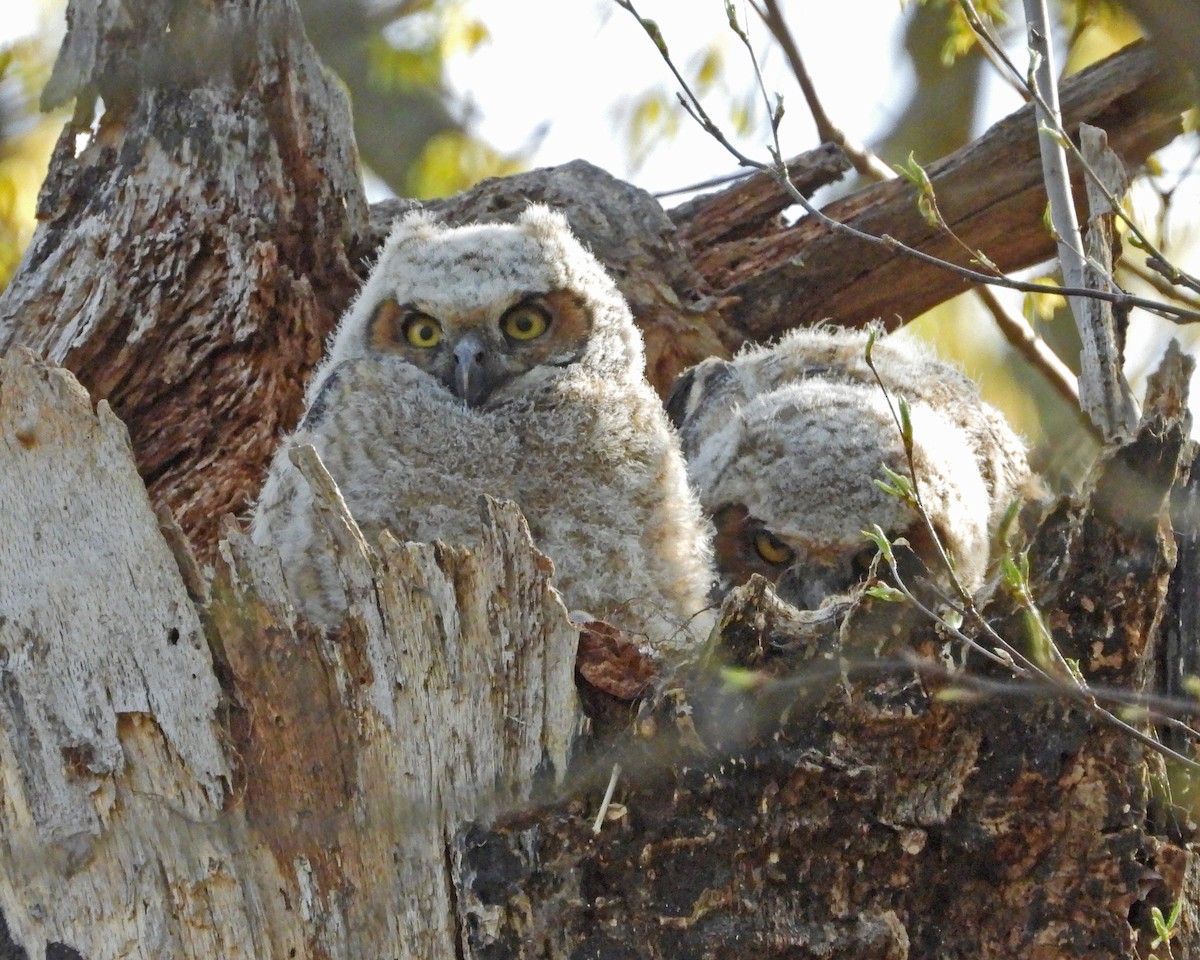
(772, 549)
(422, 331)
(525, 322)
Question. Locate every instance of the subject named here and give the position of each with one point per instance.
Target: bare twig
(1156, 279)
(607, 801)
(864, 160)
(1104, 393)
(695, 109)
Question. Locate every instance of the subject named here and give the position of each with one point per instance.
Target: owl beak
(469, 380)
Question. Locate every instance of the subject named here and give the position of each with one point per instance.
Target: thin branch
(692, 105)
(1054, 157)
(1155, 257)
(718, 181)
(864, 160)
(1159, 282)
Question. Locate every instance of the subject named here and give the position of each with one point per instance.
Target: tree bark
(300, 806)
(187, 771)
(192, 257)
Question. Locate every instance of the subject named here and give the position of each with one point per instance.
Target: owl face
(472, 354)
(479, 308)
(786, 446)
(805, 569)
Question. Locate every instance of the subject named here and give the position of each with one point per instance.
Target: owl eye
(422, 331)
(525, 322)
(772, 549)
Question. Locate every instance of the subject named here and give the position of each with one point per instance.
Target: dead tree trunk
(186, 771)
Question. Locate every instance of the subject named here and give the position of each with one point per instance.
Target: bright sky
(580, 63)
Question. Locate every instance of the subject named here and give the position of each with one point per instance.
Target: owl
(785, 444)
(498, 359)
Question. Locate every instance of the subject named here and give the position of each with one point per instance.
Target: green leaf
(896, 485)
(731, 16)
(915, 174)
(906, 428)
(1010, 574)
(651, 28)
(879, 538)
(881, 591)
(737, 678)
(982, 259)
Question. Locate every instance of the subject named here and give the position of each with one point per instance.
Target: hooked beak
(469, 380)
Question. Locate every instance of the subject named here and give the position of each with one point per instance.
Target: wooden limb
(990, 193)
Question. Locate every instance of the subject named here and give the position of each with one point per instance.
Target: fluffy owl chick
(784, 444)
(497, 359)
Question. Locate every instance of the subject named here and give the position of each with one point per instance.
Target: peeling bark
(191, 259)
(301, 806)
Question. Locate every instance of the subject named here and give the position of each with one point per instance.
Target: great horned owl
(784, 445)
(498, 359)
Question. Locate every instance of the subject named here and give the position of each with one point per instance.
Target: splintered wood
(302, 806)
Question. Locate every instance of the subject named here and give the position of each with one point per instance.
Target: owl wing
(326, 395)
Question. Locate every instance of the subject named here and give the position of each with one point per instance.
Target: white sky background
(568, 67)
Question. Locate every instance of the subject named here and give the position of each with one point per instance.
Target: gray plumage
(784, 444)
(498, 359)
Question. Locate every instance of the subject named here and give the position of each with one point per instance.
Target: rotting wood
(1104, 393)
(882, 819)
(191, 258)
(301, 806)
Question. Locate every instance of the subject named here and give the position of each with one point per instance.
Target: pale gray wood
(304, 807)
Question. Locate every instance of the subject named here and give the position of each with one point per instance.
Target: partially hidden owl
(785, 444)
(498, 359)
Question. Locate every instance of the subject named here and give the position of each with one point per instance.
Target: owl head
(484, 308)
(785, 445)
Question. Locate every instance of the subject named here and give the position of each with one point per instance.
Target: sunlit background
(448, 92)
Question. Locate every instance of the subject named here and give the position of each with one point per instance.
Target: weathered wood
(301, 807)
(1104, 393)
(191, 259)
(873, 816)
(990, 193)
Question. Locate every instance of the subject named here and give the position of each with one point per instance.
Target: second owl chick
(498, 359)
(784, 445)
